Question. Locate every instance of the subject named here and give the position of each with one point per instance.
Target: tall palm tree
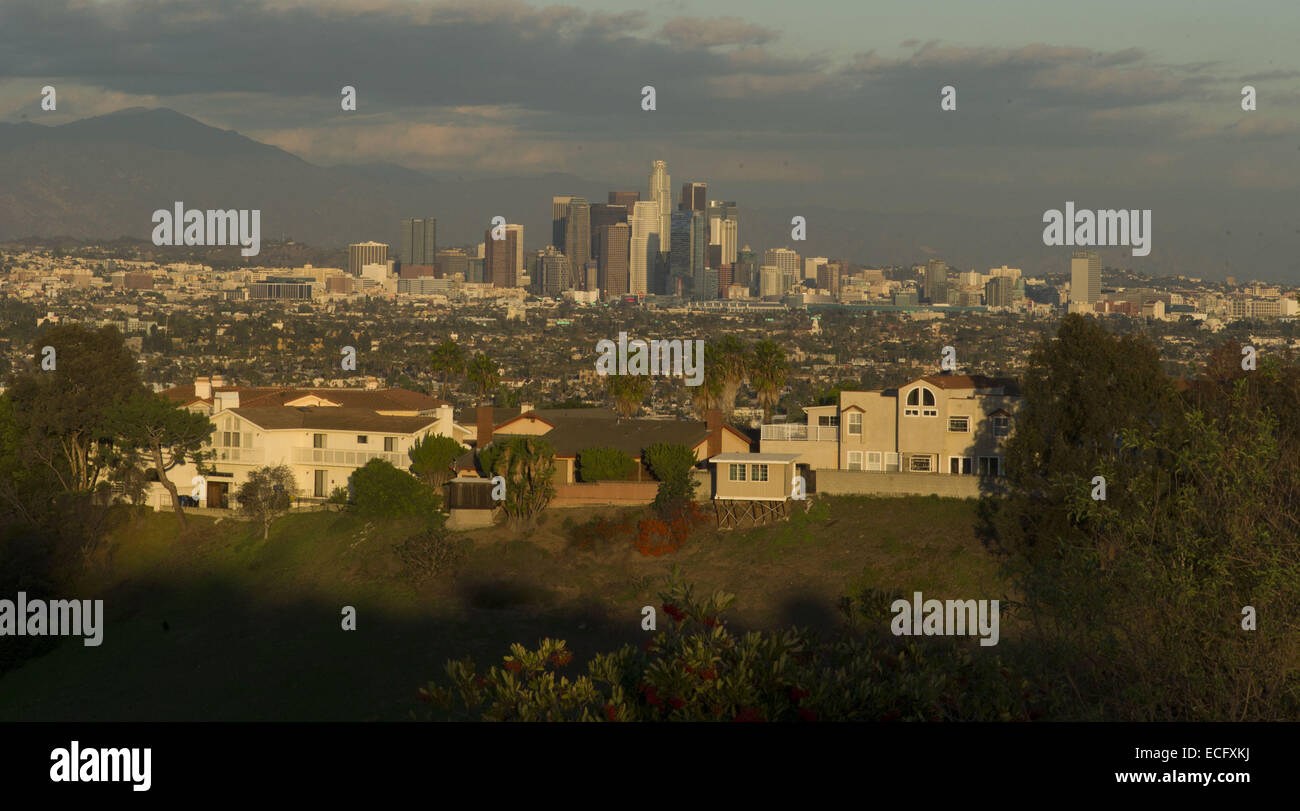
(733, 359)
(708, 394)
(448, 359)
(628, 392)
(482, 373)
(767, 373)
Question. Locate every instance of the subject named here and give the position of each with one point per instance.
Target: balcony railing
(245, 455)
(801, 433)
(338, 458)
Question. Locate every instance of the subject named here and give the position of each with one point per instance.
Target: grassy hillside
(219, 624)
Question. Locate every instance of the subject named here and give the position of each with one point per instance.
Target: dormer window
(920, 402)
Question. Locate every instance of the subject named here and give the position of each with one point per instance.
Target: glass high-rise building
(644, 251)
(661, 192)
(419, 241)
(687, 249)
(577, 233)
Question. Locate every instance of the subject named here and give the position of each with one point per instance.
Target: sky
(1108, 104)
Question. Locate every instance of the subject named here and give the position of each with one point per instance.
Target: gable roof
(330, 418)
(372, 399)
(1009, 386)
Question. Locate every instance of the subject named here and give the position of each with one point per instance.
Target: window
(990, 466)
(831, 421)
(918, 464)
(855, 423)
(959, 425)
(920, 402)
(874, 460)
(362, 439)
(318, 440)
(736, 473)
(322, 482)
(1001, 425)
(960, 465)
(855, 460)
(758, 473)
(390, 444)
(230, 439)
(891, 463)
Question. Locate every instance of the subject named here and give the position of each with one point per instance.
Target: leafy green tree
(483, 376)
(267, 494)
(674, 466)
(380, 490)
(163, 433)
(432, 458)
(527, 463)
(605, 464)
(768, 369)
(447, 361)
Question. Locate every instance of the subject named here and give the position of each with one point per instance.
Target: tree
(432, 458)
(767, 372)
(527, 463)
(708, 395)
(605, 464)
(674, 467)
(163, 432)
(628, 393)
(732, 359)
(448, 360)
(483, 375)
(61, 415)
(380, 490)
(267, 494)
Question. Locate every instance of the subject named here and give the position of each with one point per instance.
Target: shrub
(605, 464)
(432, 458)
(429, 553)
(673, 465)
(382, 491)
(527, 463)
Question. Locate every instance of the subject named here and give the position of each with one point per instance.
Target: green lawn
(216, 623)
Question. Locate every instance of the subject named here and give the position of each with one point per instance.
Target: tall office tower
(366, 253)
(644, 250)
(590, 277)
(577, 234)
(725, 277)
(713, 259)
(1085, 277)
(811, 264)
(419, 241)
(626, 199)
(998, 291)
(828, 277)
(746, 270)
(687, 249)
(661, 192)
(771, 282)
(694, 197)
(559, 215)
(603, 214)
(615, 267)
(724, 229)
(452, 262)
(936, 281)
(554, 274)
(519, 249)
(784, 259)
(499, 262)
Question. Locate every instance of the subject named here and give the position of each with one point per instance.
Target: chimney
(714, 423)
(524, 408)
(446, 418)
(218, 381)
(225, 399)
(484, 435)
(203, 388)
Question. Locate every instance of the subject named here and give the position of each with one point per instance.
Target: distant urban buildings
(361, 254)
(1085, 278)
(419, 241)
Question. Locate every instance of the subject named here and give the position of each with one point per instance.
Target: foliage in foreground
(693, 668)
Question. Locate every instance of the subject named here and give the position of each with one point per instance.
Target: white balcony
(338, 458)
(798, 432)
(249, 456)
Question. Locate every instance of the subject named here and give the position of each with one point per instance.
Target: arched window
(920, 402)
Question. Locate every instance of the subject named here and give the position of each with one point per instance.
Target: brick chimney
(484, 435)
(714, 423)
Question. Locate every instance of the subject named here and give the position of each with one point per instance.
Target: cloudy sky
(1110, 104)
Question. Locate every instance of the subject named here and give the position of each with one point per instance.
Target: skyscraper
(936, 281)
(554, 273)
(785, 260)
(559, 214)
(499, 258)
(1085, 277)
(998, 290)
(626, 199)
(661, 192)
(577, 233)
(644, 249)
(694, 197)
(615, 242)
(603, 214)
(419, 241)
(361, 254)
(724, 229)
(687, 249)
(518, 231)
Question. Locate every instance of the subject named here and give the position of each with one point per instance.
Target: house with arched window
(945, 424)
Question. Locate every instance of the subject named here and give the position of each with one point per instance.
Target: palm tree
(767, 373)
(733, 359)
(708, 394)
(483, 374)
(628, 392)
(447, 360)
